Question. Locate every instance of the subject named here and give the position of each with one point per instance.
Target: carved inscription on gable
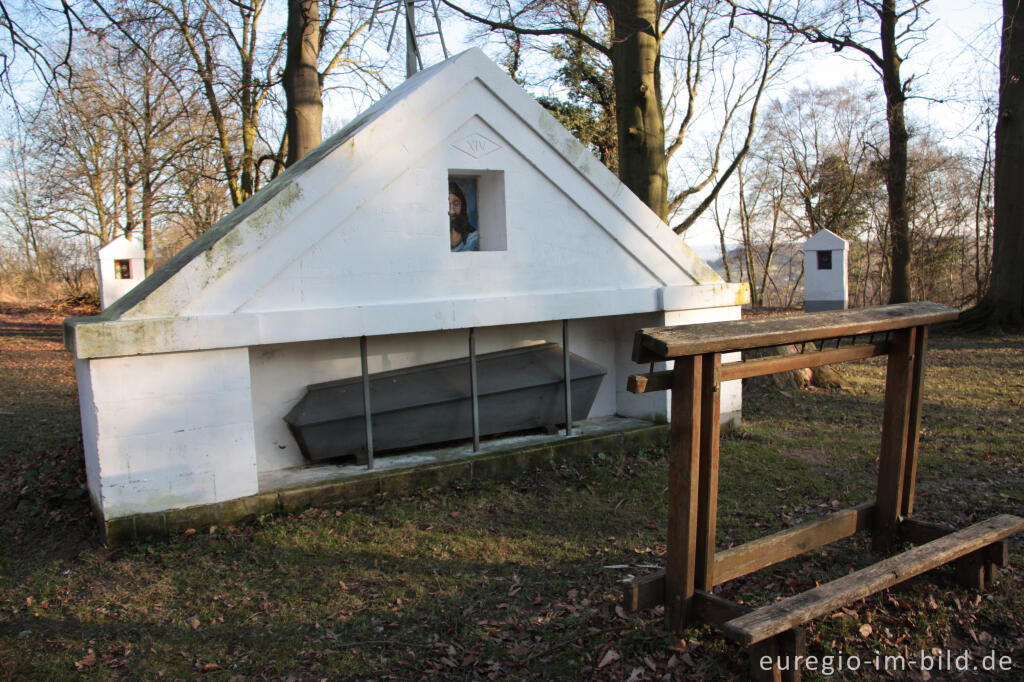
(476, 145)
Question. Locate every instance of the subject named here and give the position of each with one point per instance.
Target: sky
(953, 70)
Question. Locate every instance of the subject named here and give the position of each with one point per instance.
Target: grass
(510, 580)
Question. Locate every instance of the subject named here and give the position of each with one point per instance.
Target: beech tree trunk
(304, 114)
(896, 171)
(636, 61)
(1003, 305)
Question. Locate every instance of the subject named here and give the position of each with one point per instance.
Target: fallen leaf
(865, 630)
(88, 661)
(609, 657)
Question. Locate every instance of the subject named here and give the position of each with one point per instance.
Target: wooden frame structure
(693, 567)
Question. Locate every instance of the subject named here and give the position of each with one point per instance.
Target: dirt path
(36, 322)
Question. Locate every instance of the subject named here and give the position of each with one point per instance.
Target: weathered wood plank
(683, 475)
(707, 486)
(893, 455)
(661, 343)
(770, 620)
(771, 549)
(662, 381)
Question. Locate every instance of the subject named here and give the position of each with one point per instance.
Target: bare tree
(857, 25)
(629, 35)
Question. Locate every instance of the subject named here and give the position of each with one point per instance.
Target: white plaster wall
(87, 408)
(656, 406)
(553, 244)
(167, 431)
(280, 373)
(826, 285)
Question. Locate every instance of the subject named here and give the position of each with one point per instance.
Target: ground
(514, 580)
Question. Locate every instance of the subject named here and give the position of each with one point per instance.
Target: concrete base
(290, 490)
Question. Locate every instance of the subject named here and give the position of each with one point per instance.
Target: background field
(500, 580)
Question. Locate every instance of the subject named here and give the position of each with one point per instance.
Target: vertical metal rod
(473, 390)
(568, 377)
(412, 50)
(367, 418)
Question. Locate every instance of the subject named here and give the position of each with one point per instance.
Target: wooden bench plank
(770, 620)
(663, 343)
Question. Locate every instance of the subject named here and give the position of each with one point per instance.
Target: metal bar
(367, 417)
(568, 377)
(473, 390)
(412, 50)
(440, 34)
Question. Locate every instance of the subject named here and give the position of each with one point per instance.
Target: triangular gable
(122, 247)
(824, 240)
(360, 224)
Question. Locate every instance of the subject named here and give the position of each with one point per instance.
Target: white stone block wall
(167, 431)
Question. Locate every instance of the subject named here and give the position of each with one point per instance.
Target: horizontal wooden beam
(649, 590)
(714, 610)
(771, 549)
(650, 382)
(786, 363)
(920, 532)
(664, 343)
(662, 380)
(779, 616)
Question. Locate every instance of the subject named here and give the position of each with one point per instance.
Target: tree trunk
(636, 61)
(302, 79)
(1003, 305)
(896, 170)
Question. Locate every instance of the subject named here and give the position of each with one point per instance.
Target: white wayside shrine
(825, 272)
(185, 381)
(120, 266)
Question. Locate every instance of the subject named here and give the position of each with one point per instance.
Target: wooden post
(760, 653)
(707, 495)
(997, 555)
(970, 570)
(792, 649)
(683, 474)
(914, 427)
(895, 421)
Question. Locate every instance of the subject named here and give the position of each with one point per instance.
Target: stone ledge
(496, 465)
